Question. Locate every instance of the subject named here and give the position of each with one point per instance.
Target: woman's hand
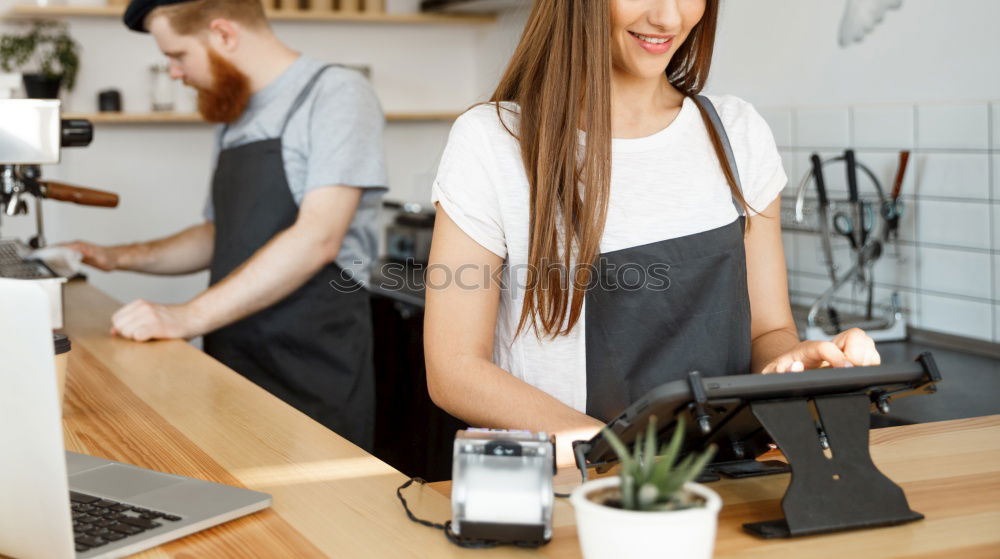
(849, 348)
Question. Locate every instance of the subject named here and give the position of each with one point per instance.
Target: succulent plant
(651, 481)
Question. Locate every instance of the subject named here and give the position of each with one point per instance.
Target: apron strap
(713, 116)
(302, 97)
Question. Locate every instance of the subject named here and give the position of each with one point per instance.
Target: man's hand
(849, 348)
(143, 321)
(100, 257)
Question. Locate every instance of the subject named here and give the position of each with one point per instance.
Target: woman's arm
(775, 341)
(459, 325)
(772, 328)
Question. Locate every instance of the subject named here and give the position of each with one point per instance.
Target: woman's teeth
(648, 39)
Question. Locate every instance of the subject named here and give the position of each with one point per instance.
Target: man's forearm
(276, 270)
(183, 253)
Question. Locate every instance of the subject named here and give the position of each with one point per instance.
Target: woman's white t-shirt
(663, 186)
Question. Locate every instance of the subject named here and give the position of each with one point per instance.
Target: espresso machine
(32, 134)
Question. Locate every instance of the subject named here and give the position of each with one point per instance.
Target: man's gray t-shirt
(334, 138)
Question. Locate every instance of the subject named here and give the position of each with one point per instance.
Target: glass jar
(161, 88)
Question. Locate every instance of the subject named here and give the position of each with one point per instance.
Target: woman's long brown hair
(560, 78)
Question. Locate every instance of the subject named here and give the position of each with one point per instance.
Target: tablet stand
(822, 432)
(828, 492)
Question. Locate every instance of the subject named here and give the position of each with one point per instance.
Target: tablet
(718, 409)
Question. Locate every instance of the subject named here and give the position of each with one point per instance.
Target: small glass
(161, 88)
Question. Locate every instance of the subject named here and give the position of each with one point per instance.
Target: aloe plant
(651, 481)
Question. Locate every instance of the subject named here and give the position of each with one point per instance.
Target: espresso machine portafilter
(33, 134)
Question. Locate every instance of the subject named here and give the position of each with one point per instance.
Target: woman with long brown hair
(603, 228)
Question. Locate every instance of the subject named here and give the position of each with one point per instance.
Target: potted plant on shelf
(49, 57)
(652, 508)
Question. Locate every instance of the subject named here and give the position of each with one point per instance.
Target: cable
(446, 527)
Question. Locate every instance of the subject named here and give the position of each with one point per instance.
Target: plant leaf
(620, 449)
(649, 450)
(669, 455)
(699, 464)
(675, 479)
(628, 492)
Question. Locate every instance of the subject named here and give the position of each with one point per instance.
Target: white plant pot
(612, 533)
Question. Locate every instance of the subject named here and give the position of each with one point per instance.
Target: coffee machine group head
(32, 133)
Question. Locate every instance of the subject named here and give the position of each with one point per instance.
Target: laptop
(56, 504)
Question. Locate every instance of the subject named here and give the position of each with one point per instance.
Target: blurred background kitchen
(924, 79)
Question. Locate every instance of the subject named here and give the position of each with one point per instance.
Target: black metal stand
(842, 491)
(749, 468)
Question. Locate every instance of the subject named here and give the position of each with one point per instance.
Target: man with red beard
(290, 224)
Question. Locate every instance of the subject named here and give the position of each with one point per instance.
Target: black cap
(135, 14)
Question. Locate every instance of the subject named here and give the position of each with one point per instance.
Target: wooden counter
(167, 406)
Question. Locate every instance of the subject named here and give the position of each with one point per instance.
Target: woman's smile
(654, 44)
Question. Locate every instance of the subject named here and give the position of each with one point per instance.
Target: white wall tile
(961, 175)
(956, 316)
(811, 286)
(953, 126)
(788, 244)
(883, 126)
(907, 300)
(996, 225)
(792, 284)
(996, 276)
(810, 257)
(808, 288)
(780, 121)
(788, 161)
(907, 228)
(955, 272)
(822, 127)
(995, 112)
(996, 321)
(960, 224)
(995, 166)
(897, 266)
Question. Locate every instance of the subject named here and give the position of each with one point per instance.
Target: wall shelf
(31, 11)
(194, 118)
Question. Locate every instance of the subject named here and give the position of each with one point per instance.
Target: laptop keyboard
(98, 522)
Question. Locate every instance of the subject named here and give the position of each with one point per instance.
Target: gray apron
(640, 335)
(312, 349)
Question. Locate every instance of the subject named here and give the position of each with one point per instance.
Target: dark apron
(691, 313)
(313, 349)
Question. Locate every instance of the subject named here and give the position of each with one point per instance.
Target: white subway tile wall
(961, 317)
(887, 127)
(825, 127)
(995, 171)
(995, 120)
(780, 121)
(946, 265)
(953, 126)
(790, 164)
(957, 224)
(954, 175)
(948, 271)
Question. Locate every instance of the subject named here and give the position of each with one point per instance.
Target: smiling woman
(634, 222)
